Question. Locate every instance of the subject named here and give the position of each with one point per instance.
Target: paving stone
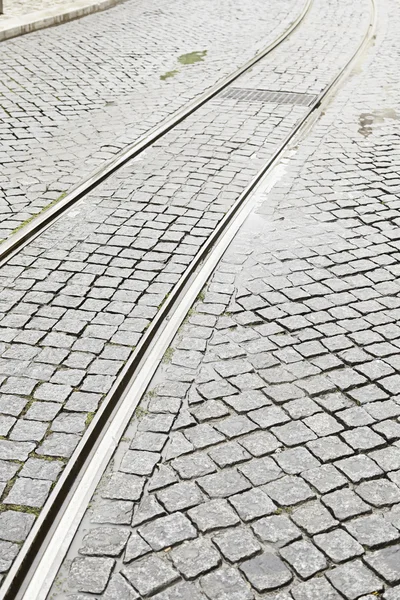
(303, 407)
(118, 512)
(314, 518)
(28, 492)
(180, 496)
(148, 441)
(167, 531)
(325, 479)
(156, 423)
(139, 462)
(177, 445)
(36, 468)
(389, 429)
(25, 431)
(345, 504)
(386, 563)
(58, 444)
(379, 492)
(226, 584)
(180, 591)
(266, 572)
(211, 409)
(91, 574)
(313, 589)
(69, 422)
(329, 448)
(203, 436)
(195, 465)
(277, 529)
(150, 574)
(223, 484)
(216, 389)
(195, 558)
(102, 541)
(363, 438)
(387, 458)
(268, 416)
(260, 443)
(43, 411)
(7, 470)
(355, 417)
(338, 545)
(288, 491)
(12, 405)
(237, 544)
(354, 580)
(122, 486)
(247, 401)
(372, 531)
(359, 468)
(119, 589)
(5, 424)
(235, 426)
(296, 460)
(162, 477)
(323, 424)
(304, 558)
(252, 504)
(393, 594)
(215, 514)
(10, 450)
(260, 470)
(15, 526)
(52, 392)
(229, 454)
(135, 548)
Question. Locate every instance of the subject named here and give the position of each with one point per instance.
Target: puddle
(192, 57)
(367, 120)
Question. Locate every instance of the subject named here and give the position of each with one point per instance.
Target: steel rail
(29, 553)
(53, 531)
(45, 219)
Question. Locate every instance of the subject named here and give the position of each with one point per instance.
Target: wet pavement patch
(376, 116)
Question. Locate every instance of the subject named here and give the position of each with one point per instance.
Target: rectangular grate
(249, 95)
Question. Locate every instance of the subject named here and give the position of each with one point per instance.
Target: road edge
(42, 19)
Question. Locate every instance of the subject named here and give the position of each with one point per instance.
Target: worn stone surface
(302, 310)
(40, 108)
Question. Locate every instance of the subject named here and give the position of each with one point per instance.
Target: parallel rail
(40, 223)
(35, 568)
(15, 581)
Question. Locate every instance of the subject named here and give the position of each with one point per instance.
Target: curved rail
(36, 567)
(40, 223)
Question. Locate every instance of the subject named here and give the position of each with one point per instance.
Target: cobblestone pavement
(264, 461)
(17, 8)
(79, 297)
(73, 96)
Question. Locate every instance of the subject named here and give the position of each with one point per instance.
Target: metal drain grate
(249, 95)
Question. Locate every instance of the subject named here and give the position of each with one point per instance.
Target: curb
(34, 21)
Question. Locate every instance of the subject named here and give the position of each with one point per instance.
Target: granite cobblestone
(88, 97)
(329, 525)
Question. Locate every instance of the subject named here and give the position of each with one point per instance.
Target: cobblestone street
(263, 462)
(69, 101)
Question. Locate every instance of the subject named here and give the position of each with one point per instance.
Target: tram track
(34, 570)
(44, 220)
